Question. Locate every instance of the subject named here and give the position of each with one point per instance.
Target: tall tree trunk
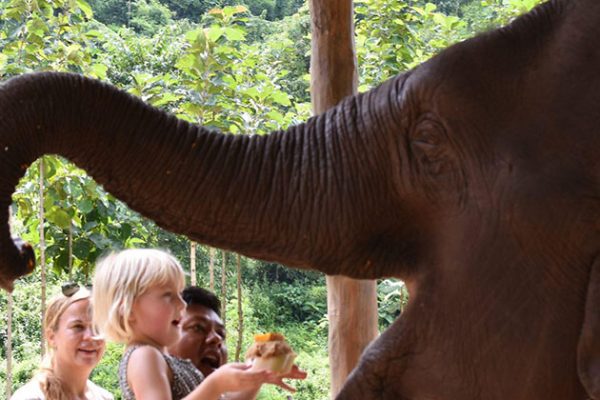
(211, 268)
(224, 288)
(70, 243)
(42, 250)
(238, 346)
(193, 263)
(352, 304)
(9, 316)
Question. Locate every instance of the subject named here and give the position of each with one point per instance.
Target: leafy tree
(47, 35)
(143, 16)
(112, 12)
(118, 13)
(288, 45)
(450, 6)
(191, 9)
(228, 84)
(395, 36)
(148, 16)
(284, 8)
(392, 297)
(263, 8)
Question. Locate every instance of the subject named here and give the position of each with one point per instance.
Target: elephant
(474, 177)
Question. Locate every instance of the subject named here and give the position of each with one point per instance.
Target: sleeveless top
(32, 391)
(185, 375)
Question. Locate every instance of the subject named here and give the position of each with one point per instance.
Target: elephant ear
(588, 349)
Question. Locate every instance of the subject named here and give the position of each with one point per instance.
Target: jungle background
(239, 67)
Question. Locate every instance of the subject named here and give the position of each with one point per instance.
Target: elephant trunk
(278, 197)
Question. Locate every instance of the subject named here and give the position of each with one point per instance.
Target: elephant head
(474, 177)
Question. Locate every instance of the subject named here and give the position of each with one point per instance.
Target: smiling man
(202, 331)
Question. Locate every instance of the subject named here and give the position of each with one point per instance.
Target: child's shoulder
(145, 361)
(144, 354)
(144, 369)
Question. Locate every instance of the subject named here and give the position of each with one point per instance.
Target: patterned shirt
(185, 376)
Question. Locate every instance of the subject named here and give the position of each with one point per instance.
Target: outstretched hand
(295, 373)
(236, 377)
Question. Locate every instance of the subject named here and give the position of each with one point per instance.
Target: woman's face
(72, 341)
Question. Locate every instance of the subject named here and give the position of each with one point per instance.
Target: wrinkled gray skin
(475, 178)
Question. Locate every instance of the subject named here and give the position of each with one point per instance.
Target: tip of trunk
(19, 260)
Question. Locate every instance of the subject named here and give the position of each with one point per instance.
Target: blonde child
(137, 302)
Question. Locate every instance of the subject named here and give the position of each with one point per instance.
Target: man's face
(202, 339)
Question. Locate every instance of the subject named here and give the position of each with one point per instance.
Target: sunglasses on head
(70, 288)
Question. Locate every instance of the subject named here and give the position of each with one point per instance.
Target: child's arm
(148, 374)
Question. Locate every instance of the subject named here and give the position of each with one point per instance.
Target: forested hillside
(240, 68)
(145, 16)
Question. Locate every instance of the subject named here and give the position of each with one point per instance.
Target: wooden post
(9, 355)
(192, 263)
(224, 288)
(70, 246)
(352, 304)
(42, 250)
(9, 335)
(211, 268)
(240, 336)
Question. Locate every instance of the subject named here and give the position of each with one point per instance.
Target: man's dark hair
(197, 295)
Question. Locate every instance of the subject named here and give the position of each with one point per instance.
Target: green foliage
(287, 45)
(191, 9)
(392, 297)
(72, 200)
(229, 85)
(105, 374)
(47, 35)
(143, 16)
(26, 338)
(119, 13)
(129, 54)
(149, 16)
(112, 12)
(284, 8)
(395, 36)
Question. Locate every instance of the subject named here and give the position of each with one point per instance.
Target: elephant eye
(429, 146)
(436, 165)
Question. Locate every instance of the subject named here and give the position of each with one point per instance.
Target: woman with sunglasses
(73, 351)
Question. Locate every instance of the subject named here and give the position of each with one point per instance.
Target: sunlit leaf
(214, 33)
(165, 98)
(281, 98)
(234, 33)
(99, 70)
(85, 7)
(58, 217)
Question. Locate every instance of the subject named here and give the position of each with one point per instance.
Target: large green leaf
(82, 248)
(85, 7)
(58, 217)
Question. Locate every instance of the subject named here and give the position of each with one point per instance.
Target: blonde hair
(123, 276)
(52, 386)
